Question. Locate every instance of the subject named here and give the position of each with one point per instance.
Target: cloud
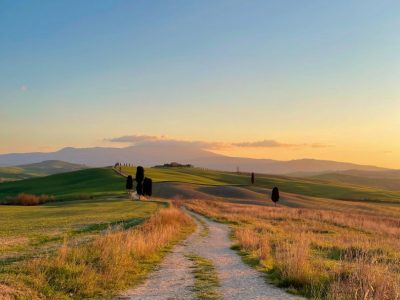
(318, 145)
(263, 144)
(134, 139)
(23, 88)
(276, 144)
(166, 141)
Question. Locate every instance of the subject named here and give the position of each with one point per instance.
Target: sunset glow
(320, 85)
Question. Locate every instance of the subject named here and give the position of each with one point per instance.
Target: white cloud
(134, 139)
(145, 139)
(274, 144)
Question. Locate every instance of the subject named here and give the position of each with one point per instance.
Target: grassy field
(104, 181)
(189, 175)
(78, 184)
(385, 181)
(91, 248)
(102, 266)
(25, 230)
(313, 243)
(321, 254)
(302, 186)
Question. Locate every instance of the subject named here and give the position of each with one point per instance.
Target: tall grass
(365, 279)
(108, 264)
(318, 253)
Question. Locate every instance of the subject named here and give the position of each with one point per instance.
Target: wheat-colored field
(321, 254)
(109, 263)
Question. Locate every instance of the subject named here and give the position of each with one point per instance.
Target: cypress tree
(129, 183)
(147, 187)
(139, 179)
(275, 195)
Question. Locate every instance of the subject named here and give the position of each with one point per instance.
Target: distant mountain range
(156, 153)
(43, 168)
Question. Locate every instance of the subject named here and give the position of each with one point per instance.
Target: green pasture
(25, 228)
(302, 186)
(77, 184)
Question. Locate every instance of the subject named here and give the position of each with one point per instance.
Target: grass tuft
(206, 278)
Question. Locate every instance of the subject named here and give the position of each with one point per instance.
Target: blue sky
(73, 73)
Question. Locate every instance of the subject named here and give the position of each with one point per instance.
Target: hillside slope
(102, 181)
(389, 180)
(301, 186)
(44, 168)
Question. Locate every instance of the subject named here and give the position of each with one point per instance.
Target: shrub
(29, 199)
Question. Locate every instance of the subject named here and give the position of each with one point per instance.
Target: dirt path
(173, 279)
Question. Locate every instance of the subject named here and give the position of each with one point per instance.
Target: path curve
(173, 278)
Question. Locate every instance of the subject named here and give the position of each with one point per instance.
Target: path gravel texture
(174, 280)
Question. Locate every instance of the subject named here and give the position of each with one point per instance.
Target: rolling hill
(43, 168)
(95, 182)
(105, 181)
(156, 153)
(389, 180)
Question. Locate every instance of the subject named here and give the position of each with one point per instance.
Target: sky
(267, 79)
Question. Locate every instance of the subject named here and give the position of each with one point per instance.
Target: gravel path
(173, 279)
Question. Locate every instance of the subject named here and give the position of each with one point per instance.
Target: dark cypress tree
(252, 178)
(139, 189)
(275, 195)
(129, 183)
(139, 179)
(139, 174)
(147, 187)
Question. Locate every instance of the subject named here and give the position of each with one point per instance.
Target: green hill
(102, 181)
(44, 168)
(303, 186)
(381, 180)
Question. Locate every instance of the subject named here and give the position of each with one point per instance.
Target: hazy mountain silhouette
(43, 168)
(160, 152)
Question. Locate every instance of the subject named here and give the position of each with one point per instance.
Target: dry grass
(319, 253)
(108, 264)
(367, 279)
(248, 239)
(28, 199)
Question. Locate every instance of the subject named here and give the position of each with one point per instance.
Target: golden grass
(319, 253)
(108, 264)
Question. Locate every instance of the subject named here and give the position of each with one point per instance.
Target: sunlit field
(301, 186)
(321, 254)
(33, 229)
(99, 267)
(91, 241)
